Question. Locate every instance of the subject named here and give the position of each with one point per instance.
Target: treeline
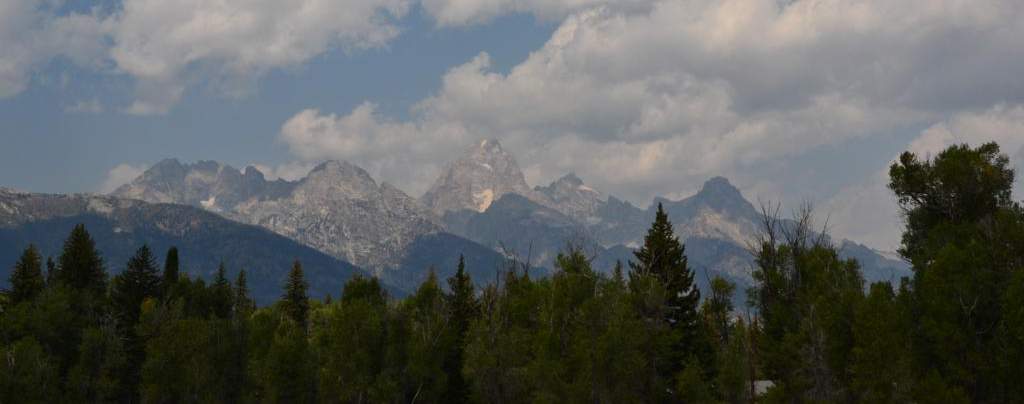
(641, 332)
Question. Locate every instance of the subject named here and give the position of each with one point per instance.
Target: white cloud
(646, 101)
(405, 153)
(868, 211)
(470, 12)
(31, 35)
(120, 175)
(166, 46)
(161, 43)
(90, 106)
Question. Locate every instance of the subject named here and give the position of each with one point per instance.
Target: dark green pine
(81, 266)
(295, 301)
(27, 277)
(138, 282)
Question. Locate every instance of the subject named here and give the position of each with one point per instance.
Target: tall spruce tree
(81, 266)
(222, 296)
(171, 272)
(463, 309)
(27, 277)
(664, 257)
(295, 301)
(51, 272)
(244, 304)
(138, 282)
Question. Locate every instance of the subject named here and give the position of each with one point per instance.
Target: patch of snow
(483, 199)
(487, 166)
(585, 188)
(100, 206)
(892, 255)
(209, 203)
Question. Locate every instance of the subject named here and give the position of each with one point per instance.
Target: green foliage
(243, 303)
(80, 264)
(463, 309)
(27, 373)
(355, 332)
(806, 297)
(222, 296)
(138, 282)
(100, 367)
(295, 302)
(880, 365)
(171, 272)
(965, 239)
(27, 277)
(954, 333)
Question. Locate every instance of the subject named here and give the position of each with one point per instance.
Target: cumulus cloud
(406, 153)
(120, 175)
(288, 171)
(160, 42)
(167, 46)
(868, 211)
(653, 100)
(470, 12)
(31, 34)
(90, 106)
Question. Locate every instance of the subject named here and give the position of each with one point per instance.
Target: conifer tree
(27, 277)
(138, 282)
(295, 302)
(664, 257)
(171, 271)
(244, 304)
(51, 272)
(81, 266)
(222, 295)
(463, 309)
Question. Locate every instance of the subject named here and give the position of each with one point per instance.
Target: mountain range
(480, 207)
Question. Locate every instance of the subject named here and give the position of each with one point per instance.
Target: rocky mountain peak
(479, 177)
(573, 198)
(340, 174)
(719, 187)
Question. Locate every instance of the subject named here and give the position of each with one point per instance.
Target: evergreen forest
(811, 331)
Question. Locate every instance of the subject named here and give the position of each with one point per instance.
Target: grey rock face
(338, 208)
(120, 226)
(474, 181)
(208, 184)
(573, 198)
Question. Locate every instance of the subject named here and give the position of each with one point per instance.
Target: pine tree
(51, 272)
(171, 271)
(138, 282)
(463, 309)
(27, 278)
(295, 302)
(221, 294)
(664, 257)
(244, 304)
(81, 266)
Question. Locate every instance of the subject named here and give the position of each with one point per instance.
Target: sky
(793, 101)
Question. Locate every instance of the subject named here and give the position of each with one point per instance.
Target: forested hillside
(640, 331)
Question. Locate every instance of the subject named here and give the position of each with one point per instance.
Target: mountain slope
(337, 209)
(121, 226)
(484, 174)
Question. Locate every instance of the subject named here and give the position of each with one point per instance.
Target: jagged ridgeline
(480, 207)
(121, 226)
